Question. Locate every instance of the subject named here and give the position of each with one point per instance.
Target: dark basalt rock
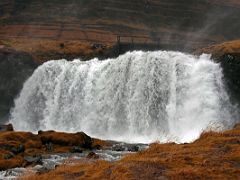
(33, 160)
(125, 147)
(41, 169)
(15, 68)
(133, 148)
(231, 69)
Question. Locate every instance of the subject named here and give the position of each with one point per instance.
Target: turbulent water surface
(137, 97)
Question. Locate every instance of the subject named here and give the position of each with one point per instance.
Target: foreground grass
(212, 156)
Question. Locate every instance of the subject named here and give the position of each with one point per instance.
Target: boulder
(41, 169)
(125, 147)
(79, 139)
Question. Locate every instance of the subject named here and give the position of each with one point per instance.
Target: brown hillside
(35, 26)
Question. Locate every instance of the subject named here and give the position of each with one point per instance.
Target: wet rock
(41, 169)
(92, 155)
(125, 147)
(133, 148)
(76, 149)
(33, 160)
(8, 127)
(8, 156)
(231, 70)
(119, 147)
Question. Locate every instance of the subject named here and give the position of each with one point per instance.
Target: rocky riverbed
(23, 152)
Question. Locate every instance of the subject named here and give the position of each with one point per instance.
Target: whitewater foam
(137, 97)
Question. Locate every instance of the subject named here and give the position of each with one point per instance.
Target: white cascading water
(137, 97)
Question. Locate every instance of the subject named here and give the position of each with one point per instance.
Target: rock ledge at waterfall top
(218, 50)
(212, 156)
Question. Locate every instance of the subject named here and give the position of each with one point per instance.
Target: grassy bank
(213, 156)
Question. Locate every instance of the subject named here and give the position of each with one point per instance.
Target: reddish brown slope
(187, 24)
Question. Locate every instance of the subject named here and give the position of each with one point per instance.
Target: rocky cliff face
(15, 68)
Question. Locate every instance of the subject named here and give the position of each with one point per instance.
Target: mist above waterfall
(137, 97)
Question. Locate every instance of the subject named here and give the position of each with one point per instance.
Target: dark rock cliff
(228, 54)
(231, 69)
(15, 68)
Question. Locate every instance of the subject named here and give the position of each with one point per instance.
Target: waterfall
(137, 97)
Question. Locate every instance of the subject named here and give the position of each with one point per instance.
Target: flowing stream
(137, 97)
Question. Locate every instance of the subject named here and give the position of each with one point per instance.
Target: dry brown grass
(65, 139)
(221, 49)
(49, 49)
(11, 163)
(212, 156)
